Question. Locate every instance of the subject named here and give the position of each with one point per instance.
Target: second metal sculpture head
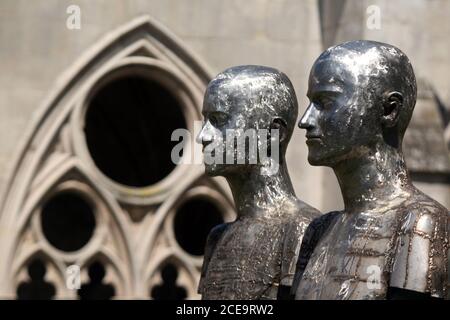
(248, 110)
(362, 95)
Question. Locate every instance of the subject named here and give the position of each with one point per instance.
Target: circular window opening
(193, 222)
(128, 127)
(67, 221)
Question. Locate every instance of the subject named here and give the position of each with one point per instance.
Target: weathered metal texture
(254, 256)
(390, 236)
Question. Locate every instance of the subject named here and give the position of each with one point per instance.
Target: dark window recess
(168, 290)
(128, 128)
(193, 222)
(96, 289)
(36, 288)
(67, 221)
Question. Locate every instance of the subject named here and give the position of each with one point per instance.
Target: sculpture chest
(246, 261)
(352, 259)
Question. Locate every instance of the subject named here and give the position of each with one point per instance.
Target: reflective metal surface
(253, 257)
(391, 240)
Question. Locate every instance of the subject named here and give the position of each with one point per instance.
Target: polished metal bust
(253, 257)
(391, 240)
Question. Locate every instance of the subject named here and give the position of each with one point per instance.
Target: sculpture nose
(205, 134)
(308, 119)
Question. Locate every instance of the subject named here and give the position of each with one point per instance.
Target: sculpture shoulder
(421, 250)
(296, 224)
(293, 220)
(423, 217)
(306, 212)
(216, 233)
(312, 235)
(319, 225)
(213, 238)
(299, 216)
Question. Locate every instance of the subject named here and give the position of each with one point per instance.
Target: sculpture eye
(217, 118)
(213, 119)
(325, 102)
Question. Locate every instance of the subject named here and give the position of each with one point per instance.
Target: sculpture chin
(317, 161)
(327, 160)
(316, 156)
(330, 157)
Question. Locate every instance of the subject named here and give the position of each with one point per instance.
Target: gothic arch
(54, 157)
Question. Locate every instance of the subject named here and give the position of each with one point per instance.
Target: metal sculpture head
(362, 95)
(242, 100)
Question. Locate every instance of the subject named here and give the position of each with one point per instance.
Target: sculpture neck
(255, 193)
(373, 179)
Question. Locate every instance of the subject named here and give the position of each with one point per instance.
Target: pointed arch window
(93, 185)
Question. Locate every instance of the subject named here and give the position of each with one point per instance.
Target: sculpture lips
(313, 139)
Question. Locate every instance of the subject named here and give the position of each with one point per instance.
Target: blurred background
(92, 206)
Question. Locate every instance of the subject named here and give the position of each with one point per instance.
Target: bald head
(376, 69)
(258, 95)
(362, 94)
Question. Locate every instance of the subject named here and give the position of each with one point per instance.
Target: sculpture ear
(392, 103)
(281, 125)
